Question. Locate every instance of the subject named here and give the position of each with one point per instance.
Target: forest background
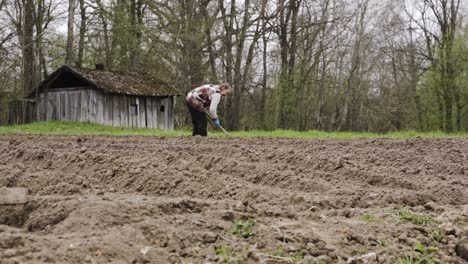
(333, 65)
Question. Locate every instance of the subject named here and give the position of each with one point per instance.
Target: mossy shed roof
(130, 83)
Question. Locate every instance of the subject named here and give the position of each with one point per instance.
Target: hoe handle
(211, 121)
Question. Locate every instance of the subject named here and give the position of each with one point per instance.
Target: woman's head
(225, 89)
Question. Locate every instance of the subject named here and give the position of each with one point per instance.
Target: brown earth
(101, 199)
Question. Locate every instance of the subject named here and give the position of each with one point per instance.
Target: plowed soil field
(103, 199)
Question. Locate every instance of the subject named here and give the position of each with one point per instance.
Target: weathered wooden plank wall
(123, 111)
(150, 113)
(116, 110)
(108, 113)
(136, 116)
(125, 114)
(69, 105)
(132, 115)
(49, 106)
(92, 106)
(15, 113)
(41, 109)
(73, 105)
(63, 105)
(89, 105)
(142, 111)
(164, 113)
(84, 106)
(21, 111)
(156, 114)
(170, 113)
(100, 108)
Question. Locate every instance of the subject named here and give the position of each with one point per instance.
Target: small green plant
(406, 215)
(437, 235)
(320, 262)
(228, 254)
(242, 228)
(462, 223)
(415, 260)
(370, 218)
(423, 250)
(424, 259)
(360, 250)
(279, 253)
(409, 260)
(382, 243)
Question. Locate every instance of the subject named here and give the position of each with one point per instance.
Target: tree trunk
(355, 65)
(81, 41)
(136, 21)
(440, 104)
(228, 22)
(235, 109)
(71, 20)
(459, 109)
(448, 113)
(265, 68)
(42, 68)
(108, 52)
(320, 97)
(445, 13)
(208, 24)
(28, 47)
(284, 86)
(414, 79)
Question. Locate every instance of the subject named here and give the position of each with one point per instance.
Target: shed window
(134, 109)
(162, 109)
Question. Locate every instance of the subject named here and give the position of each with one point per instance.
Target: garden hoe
(220, 127)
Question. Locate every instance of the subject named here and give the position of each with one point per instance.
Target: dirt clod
(462, 249)
(102, 199)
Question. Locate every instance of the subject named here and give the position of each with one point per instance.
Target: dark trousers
(199, 122)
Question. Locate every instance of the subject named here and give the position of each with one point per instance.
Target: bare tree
(43, 17)
(294, 64)
(82, 36)
(440, 52)
(28, 47)
(286, 31)
(2, 4)
(352, 80)
(71, 21)
(103, 15)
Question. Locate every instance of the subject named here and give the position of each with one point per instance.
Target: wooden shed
(105, 97)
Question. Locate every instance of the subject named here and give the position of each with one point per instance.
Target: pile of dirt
(101, 199)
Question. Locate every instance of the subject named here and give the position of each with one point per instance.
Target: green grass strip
(76, 128)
